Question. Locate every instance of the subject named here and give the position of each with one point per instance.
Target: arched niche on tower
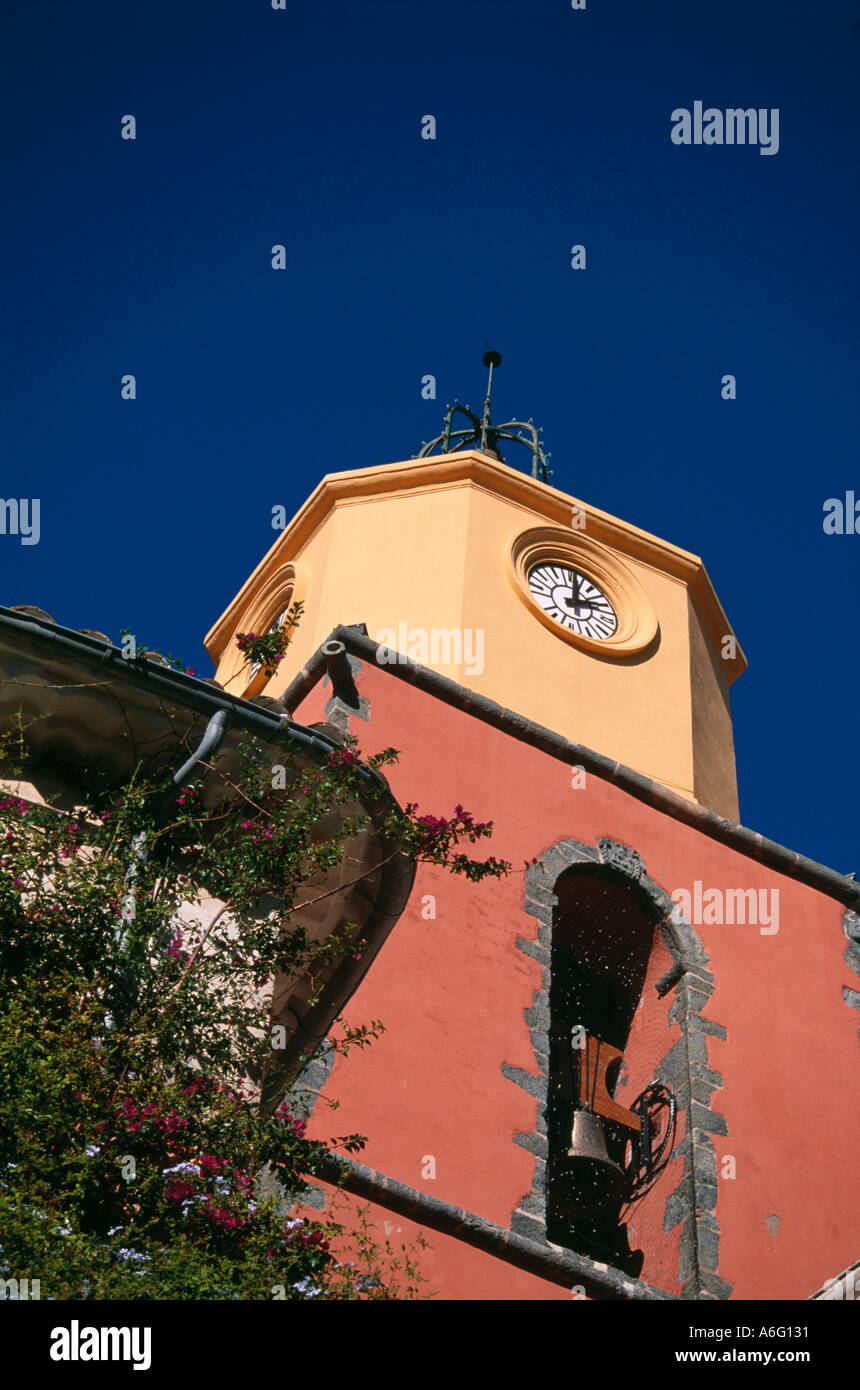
(616, 959)
(602, 938)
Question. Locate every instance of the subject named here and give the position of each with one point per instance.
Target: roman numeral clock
(582, 590)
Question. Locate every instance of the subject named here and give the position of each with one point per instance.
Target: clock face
(573, 601)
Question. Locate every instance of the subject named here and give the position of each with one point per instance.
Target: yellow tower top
(575, 619)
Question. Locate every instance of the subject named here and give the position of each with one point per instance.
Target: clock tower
(581, 1056)
(557, 611)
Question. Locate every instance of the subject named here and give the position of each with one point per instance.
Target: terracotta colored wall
(452, 993)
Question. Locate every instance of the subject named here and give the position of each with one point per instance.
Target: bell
(591, 1180)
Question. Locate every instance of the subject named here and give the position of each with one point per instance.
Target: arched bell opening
(603, 932)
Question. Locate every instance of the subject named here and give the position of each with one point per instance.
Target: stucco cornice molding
(472, 468)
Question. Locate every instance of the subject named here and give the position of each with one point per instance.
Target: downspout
(564, 1267)
(210, 743)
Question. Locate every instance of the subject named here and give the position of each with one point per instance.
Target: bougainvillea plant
(135, 1027)
(268, 649)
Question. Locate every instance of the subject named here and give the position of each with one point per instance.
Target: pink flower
(178, 1190)
(210, 1164)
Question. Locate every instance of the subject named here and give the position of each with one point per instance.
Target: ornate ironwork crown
(483, 435)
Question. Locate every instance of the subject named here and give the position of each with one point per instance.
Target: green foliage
(268, 649)
(135, 1029)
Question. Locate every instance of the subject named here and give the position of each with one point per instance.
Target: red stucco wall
(452, 992)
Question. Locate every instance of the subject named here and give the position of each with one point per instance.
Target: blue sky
(302, 127)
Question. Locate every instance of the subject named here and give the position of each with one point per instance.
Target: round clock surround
(581, 591)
